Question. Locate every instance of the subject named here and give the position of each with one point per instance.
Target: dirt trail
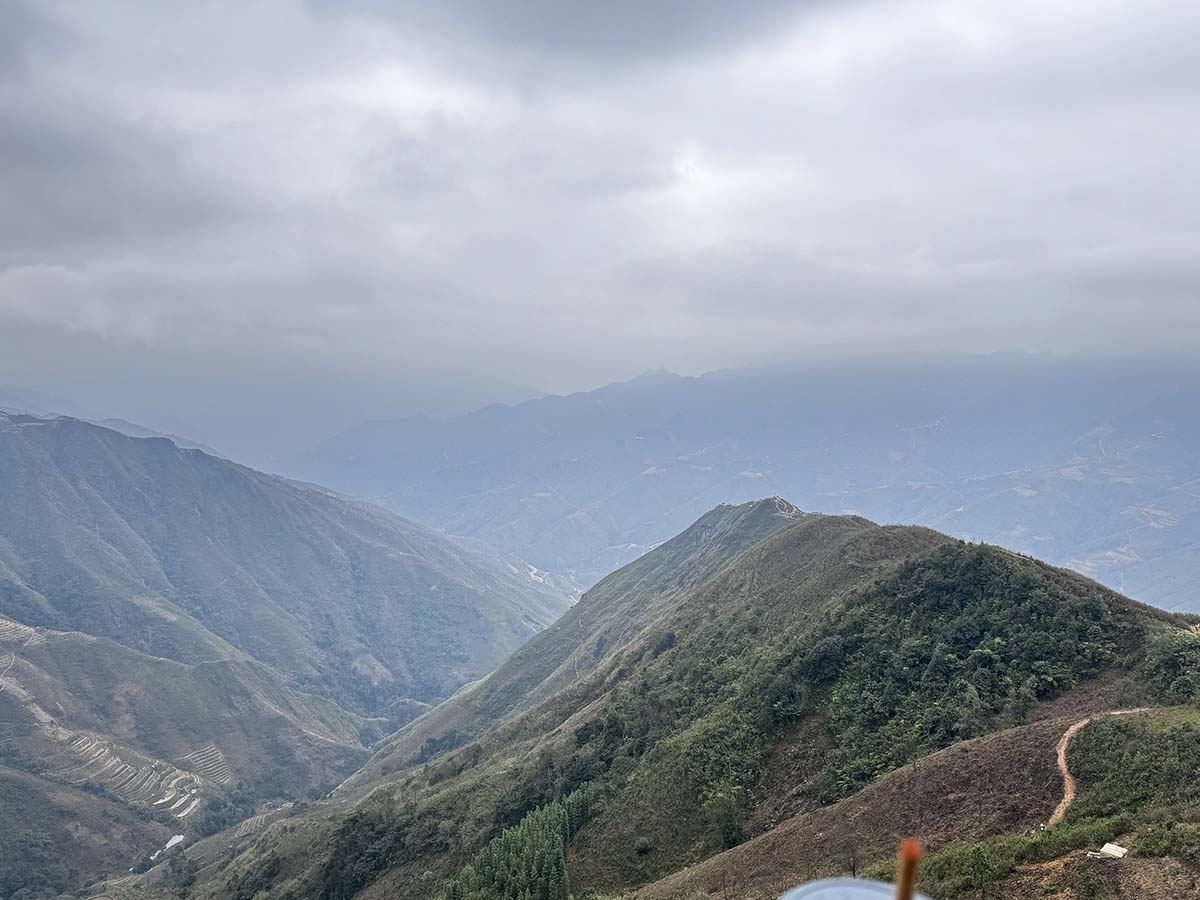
(1064, 742)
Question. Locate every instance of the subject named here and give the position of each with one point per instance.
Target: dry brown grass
(792, 779)
(1112, 690)
(1075, 877)
(1003, 783)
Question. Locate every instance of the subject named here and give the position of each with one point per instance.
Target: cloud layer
(349, 202)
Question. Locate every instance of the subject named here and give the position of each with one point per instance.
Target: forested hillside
(815, 660)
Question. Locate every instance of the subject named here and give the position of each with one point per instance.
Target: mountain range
(179, 554)
(1091, 466)
(183, 639)
(219, 684)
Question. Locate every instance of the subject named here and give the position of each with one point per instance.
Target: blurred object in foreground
(845, 889)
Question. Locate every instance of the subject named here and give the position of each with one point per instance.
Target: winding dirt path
(1064, 742)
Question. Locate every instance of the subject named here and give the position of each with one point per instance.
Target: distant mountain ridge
(132, 429)
(1089, 465)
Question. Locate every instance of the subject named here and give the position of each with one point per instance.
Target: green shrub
(966, 867)
(1179, 839)
(1071, 835)
(1125, 765)
(1172, 667)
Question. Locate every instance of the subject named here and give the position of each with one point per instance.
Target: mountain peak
(653, 375)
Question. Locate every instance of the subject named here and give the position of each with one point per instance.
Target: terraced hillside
(226, 721)
(820, 669)
(131, 777)
(167, 743)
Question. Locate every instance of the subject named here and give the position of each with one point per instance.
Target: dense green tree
(1173, 667)
(527, 860)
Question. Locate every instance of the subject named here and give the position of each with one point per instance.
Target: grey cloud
(337, 205)
(77, 182)
(22, 29)
(578, 32)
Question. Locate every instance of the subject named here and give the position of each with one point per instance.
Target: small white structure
(1108, 851)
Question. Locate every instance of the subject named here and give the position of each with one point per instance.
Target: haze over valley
(561, 450)
(1096, 467)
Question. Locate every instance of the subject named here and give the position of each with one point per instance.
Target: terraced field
(80, 758)
(134, 778)
(258, 822)
(170, 744)
(210, 763)
(13, 631)
(211, 853)
(19, 637)
(10, 732)
(249, 826)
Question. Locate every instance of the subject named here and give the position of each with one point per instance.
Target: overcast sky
(344, 202)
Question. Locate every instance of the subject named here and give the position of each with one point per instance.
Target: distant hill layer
(186, 643)
(1091, 466)
(132, 429)
(179, 554)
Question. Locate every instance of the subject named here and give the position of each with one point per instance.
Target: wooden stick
(911, 852)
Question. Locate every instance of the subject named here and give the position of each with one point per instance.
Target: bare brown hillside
(1005, 782)
(1075, 877)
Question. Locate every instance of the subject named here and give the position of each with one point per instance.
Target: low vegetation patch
(1137, 779)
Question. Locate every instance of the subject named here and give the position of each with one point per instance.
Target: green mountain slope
(188, 642)
(608, 617)
(822, 654)
(179, 554)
